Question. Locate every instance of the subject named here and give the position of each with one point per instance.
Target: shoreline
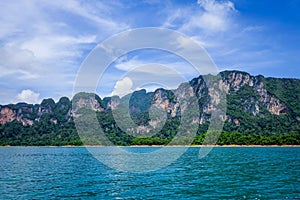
(188, 146)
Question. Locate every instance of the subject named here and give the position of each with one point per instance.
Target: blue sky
(43, 43)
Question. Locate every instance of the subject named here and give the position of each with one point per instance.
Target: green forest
(54, 125)
(42, 134)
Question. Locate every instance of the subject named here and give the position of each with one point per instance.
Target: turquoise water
(226, 173)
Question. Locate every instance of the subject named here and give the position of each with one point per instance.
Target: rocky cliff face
(235, 80)
(87, 101)
(164, 100)
(270, 102)
(28, 114)
(249, 91)
(21, 112)
(7, 115)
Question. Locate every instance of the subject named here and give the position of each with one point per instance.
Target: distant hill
(259, 111)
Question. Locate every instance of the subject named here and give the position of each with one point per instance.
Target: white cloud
(28, 96)
(44, 42)
(96, 12)
(46, 29)
(227, 39)
(123, 87)
(214, 18)
(57, 46)
(210, 17)
(14, 60)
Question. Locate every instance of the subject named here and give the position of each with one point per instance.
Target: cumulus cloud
(28, 96)
(123, 87)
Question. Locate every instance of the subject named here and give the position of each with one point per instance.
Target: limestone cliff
(253, 95)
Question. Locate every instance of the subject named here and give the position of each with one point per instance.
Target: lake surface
(225, 173)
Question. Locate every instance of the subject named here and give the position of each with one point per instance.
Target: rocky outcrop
(22, 114)
(271, 103)
(251, 105)
(28, 114)
(168, 103)
(88, 101)
(47, 106)
(7, 115)
(235, 80)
